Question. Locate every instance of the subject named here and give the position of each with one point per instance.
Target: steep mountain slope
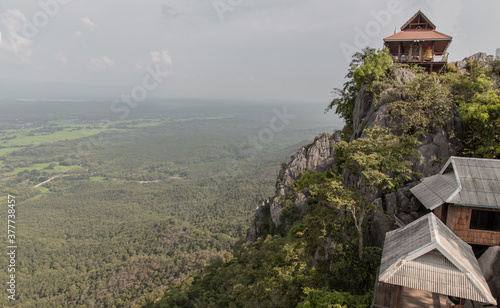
(301, 249)
(436, 146)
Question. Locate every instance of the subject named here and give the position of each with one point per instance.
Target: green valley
(129, 207)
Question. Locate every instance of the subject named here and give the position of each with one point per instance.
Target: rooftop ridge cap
(451, 161)
(433, 229)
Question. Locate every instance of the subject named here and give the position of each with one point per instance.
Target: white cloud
(161, 57)
(100, 63)
(92, 25)
(13, 39)
(284, 44)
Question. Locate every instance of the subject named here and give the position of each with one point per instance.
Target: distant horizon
(291, 50)
(114, 91)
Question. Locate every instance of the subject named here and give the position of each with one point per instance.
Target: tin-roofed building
(424, 263)
(419, 43)
(465, 195)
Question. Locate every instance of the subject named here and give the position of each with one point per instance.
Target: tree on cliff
(482, 114)
(366, 66)
(380, 162)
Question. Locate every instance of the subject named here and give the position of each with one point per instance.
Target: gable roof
(462, 181)
(426, 255)
(418, 17)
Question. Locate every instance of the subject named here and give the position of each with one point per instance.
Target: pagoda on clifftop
(419, 43)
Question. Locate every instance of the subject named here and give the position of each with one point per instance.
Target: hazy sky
(247, 49)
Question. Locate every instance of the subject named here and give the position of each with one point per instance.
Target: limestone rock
(436, 146)
(403, 199)
(479, 56)
(261, 215)
(435, 149)
(405, 218)
(318, 156)
(363, 109)
(379, 226)
(276, 210)
(415, 204)
(404, 76)
(489, 263)
(391, 203)
(301, 203)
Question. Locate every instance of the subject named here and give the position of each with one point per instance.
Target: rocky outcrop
(397, 209)
(261, 222)
(436, 145)
(393, 210)
(479, 57)
(367, 115)
(489, 263)
(318, 156)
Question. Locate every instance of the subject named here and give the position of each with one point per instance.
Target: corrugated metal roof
(462, 181)
(426, 255)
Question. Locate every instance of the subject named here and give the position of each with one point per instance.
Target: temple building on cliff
(419, 43)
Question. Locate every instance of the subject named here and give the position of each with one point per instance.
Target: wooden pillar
(387, 294)
(433, 50)
(435, 300)
(398, 297)
(399, 51)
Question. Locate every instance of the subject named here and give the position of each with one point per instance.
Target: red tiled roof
(412, 35)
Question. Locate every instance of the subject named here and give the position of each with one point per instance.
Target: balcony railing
(409, 58)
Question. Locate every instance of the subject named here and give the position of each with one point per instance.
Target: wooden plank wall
(439, 212)
(459, 222)
(385, 295)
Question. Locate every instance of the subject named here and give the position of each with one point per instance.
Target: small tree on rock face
(345, 98)
(366, 66)
(482, 113)
(380, 161)
(424, 102)
(375, 66)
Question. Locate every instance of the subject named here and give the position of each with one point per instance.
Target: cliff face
(489, 263)
(437, 145)
(318, 156)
